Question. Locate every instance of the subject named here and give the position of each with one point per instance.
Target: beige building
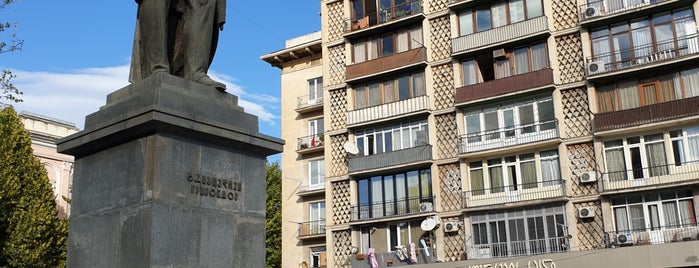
(44, 131)
(475, 133)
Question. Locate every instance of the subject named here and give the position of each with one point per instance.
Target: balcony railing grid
(415, 154)
(650, 176)
(306, 185)
(394, 258)
(598, 9)
(518, 248)
(513, 193)
(311, 141)
(391, 209)
(311, 228)
(304, 102)
(506, 137)
(383, 16)
(653, 236)
(647, 114)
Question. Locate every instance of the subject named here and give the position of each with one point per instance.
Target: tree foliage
(31, 235)
(8, 90)
(273, 225)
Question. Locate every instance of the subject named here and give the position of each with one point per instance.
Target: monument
(169, 173)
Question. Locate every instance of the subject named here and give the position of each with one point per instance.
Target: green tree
(31, 235)
(8, 90)
(273, 225)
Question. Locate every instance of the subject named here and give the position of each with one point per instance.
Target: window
(636, 157)
(514, 173)
(400, 234)
(317, 218)
(316, 174)
(394, 194)
(483, 18)
(394, 89)
(517, 232)
(654, 211)
(315, 90)
(318, 257)
(390, 138)
(510, 120)
(685, 145)
(517, 61)
(388, 44)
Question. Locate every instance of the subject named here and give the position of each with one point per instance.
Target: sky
(76, 52)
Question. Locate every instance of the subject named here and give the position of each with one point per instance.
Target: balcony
(396, 13)
(311, 229)
(388, 111)
(642, 56)
(384, 64)
(513, 193)
(413, 155)
(653, 236)
(652, 177)
(508, 137)
(500, 35)
(395, 258)
(393, 209)
(647, 114)
(307, 188)
(307, 104)
(599, 11)
(518, 248)
(503, 86)
(310, 144)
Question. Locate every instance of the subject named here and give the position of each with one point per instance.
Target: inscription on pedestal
(229, 189)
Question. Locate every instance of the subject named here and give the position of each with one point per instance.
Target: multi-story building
(513, 132)
(44, 132)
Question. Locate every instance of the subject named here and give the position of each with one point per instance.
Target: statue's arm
(220, 13)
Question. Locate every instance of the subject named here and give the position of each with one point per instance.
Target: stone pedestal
(169, 173)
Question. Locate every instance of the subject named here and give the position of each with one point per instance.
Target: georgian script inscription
(214, 187)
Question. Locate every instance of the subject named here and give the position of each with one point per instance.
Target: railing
(650, 176)
(397, 108)
(599, 9)
(500, 34)
(395, 258)
(394, 208)
(386, 15)
(653, 236)
(306, 187)
(642, 55)
(387, 63)
(399, 157)
(311, 228)
(505, 85)
(305, 102)
(312, 141)
(506, 137)
(451, 2)
(518, 248)
(647, 114)
(513, 193)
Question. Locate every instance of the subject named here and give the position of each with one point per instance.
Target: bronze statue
(177, 37)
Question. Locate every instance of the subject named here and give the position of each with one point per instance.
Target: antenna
(429, 223)
(351, 148)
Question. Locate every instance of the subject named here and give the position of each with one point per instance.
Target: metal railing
(518, 248)
(383, 16)
(599, 9)
(394, 208)
(304, 102)
(506, 137)
(306, 187)
(398, 157)
(311, 228)
(312, 141)
(653, 236)
(513, 193)
(650, 176)
(642, 55)
(647, 114)
(395, 258)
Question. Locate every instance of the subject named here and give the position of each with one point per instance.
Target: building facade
(44, 132)
(474, 132)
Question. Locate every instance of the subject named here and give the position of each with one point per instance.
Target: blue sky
(78, 51)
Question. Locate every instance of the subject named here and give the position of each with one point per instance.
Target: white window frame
(315, 90)
(403, 136)
(642, 144)
(316, 182)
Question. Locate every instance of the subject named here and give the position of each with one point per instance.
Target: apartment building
(468, 133)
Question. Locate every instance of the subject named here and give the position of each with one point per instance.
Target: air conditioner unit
(451, 226)
(499, 53)
(624, 239)
(589, 176)
(426, 207)
(591, 12)
(586, 212)
(595, 67)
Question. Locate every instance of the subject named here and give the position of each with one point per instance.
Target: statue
(177, 37)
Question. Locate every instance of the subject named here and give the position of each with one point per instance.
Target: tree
(273, 226)
(8, 90)
(31, 235)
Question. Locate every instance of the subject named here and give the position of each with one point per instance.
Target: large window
(636, 157)
(514, 173)
(518, 232)
(315, 90)
(316, 174)
(387, 44)
(685, 145)
(390, 90)
(515, 61)
(394, 194)
(510, 120)
(390, 138)
(501, 13)
(654, 211)
(317, 217)
(635, 93)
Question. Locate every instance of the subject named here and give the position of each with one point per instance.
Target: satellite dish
(351, 148)
(428, 224)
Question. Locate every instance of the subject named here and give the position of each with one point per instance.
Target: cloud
(70, 96)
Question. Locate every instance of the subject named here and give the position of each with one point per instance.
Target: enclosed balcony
(415, 155)
(368, 17)
(392, 209)
(310, 144)
(384, 64)
(388, 111)
(650, 177)
(600, 12)
(647, 114)
(508, 137)
(504, 86)
(311, 229)
(641, 57)
(395, 258)
(513, 193)
(498, 36)
(307, 103)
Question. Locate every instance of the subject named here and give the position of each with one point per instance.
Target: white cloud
(70, 96)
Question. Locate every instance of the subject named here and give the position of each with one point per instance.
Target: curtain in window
(359, 52)
(502, 68)
(528, 174)
(667, 88)
(526, 118)
(389, 92)
(418, 84)
(616, 167)
(539, 60)
(690, 79)
(468, 71)
(476, 177)
(521, 60)
(516, 11)
(534, 9)
(628, 95)
(465, 23)
(499, 14)
(416, 38)
(496, 180)
(402, 41)
(360, 97)
(622, 221)
(670, 214)
(376, 197)
(550, 169)
(637, 218)
(684, 28)
(663, 38)
(600, 48)
(649, 94)
(641, 41)
(606, 98)
(693, 143)
(373, 49)
(686, 209)
(374, 94)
